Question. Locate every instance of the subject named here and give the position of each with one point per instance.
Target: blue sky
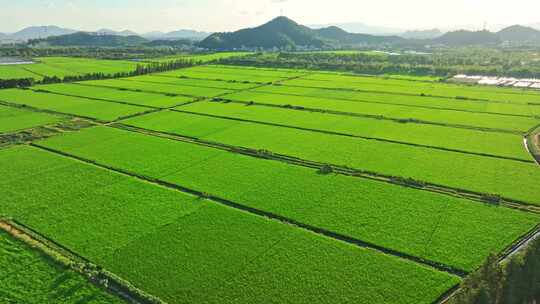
(225, 15)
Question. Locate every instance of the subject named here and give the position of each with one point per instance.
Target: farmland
(64, 66)
(198, 231)
(279, 95)
(77, 106)
(14, 119)
(191, 168)
(435, 166)
(475, 141)
(198, 57)
(115, 95)
(231, 184)
(404, 87)
(32, 277)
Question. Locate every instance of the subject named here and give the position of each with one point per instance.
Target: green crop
(84, 107)
(14, 119)
(509, 178)
(140, 98)
(501, 144)
(173, 245)
(329, 100)
(32, 278)
(371, 211)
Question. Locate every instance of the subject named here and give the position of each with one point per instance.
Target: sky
(228, 15)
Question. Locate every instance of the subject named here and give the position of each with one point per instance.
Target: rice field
(28, 276)
(230, 184)
(64, 66)
(185, 239)
(16, 119)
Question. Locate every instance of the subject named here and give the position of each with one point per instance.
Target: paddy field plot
(77, 106)
(226, 73)
(157, 79)
(164, 88)
(185, 239)
(212, 183)
(510, 95)
(364, 209)
(198, 57)
(433, 103)
(509, 178)
(28, 276)
(280, 95)
(15, 119)
(114, 94)
(465, 140)
(65, 66)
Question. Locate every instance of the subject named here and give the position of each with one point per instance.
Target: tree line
(441, 63)
(514, 282)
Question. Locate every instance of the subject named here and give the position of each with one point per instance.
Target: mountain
(117, 33)
(176, 35)
(336, 34)
(284, 33)
(360, 28)
(520, 35)
(91, 39)
(422, 34)
(464, 38)
(38, 32)
(281, 32)
(178, 43)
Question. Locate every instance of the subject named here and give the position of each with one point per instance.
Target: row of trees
(141, 69)
(443, 63)
(25, 51)
(514, 282)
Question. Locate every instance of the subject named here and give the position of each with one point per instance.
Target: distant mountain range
(36, 32)
(284, 33)
(279, 33)
(422, 34)
(90, 39)
(361, 28)
(516, 35)
(180, 34)
(41, 32)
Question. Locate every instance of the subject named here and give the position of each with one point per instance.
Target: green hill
(520, 34)
(462, 37)
(91, 39)
(284, 33)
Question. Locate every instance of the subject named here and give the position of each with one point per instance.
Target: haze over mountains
(41, 32)
(283, 33)
(279, 33)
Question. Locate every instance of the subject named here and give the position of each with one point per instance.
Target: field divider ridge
(38, 90)
(475, 197)
(180, 85)
(531, 140)
(134, 90)
(60, 254)
(353, 136)
(400, 94)
(415, 106)
(34, 109)
(268, 215)
(41, 132)
(381, 117)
